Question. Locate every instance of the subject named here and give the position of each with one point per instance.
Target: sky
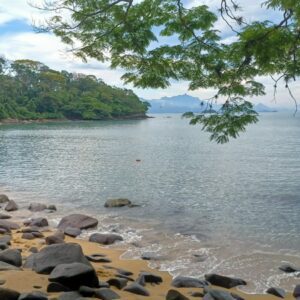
(19, 41)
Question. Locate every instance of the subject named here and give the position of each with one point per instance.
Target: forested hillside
(31, 90)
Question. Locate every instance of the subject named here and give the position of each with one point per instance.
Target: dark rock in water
(73, 232)
(35, 207)
(151, 256)
(223, 281)
(105, 238)
(52, 207)
(146, 277)
(137, 289)
(119, 283)
(70, 296)
(175, 295)
(51, 256)
(276, 292)
(106, 294)
(55, 287)
(4, 217)
(38, 222)
(77, 221)
(8, 225)
(11, 206)
(188, 282)
(33, 296)
(98, 258)
(74, 275)
(86, 291)
(12, 257)
(7, 267)
(28, 236)
(117, 202)
(289, 268)
(296, 292)
(7, 294)
(3, 198)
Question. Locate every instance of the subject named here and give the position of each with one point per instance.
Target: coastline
(27, 279)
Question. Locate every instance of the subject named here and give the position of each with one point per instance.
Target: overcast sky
(18, 41)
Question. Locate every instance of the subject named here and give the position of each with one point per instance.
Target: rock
(151, 256)
(106, 294)
(2, 281)
(38, 222)
(37, 234)
(117, 202)
(196, 294)
(52, 207)
(287, 268)
(33, 250)
(119, 283)
(137, 289)
(55, 287)
(29, 261)
(11, 206)
(5, 239)
(278, 292)
(7, 267)
(296, 292)
(77, 221)
(28, 236)
(175, 295)
(70, 296)
(212, 294)
(223, 281)
(51, 256)
(4, 217)
(33, 296)
(105, 238)
(125, 277)
(53, 239)
(3, 246)
(8, 225)
(7, 294)
(3, 230)
(97, 258)
(12, 257)
(74, 275)
(86, 291)
(35, 207)
(3, 198)
(71, 231)
(146, 277)
(188, 282)
(30, 229)
(124, 272)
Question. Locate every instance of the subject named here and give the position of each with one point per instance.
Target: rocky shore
(41, 262)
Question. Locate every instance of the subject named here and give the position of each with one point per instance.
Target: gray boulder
(137, 289)
(12, 257)
(4, 217)
(38, 222)
(105, 238)
(8, 294)
(74, 275)
(8, 225)
(106, 294)
(36, 295)
(55, 287)
(72, 232)
(146, 277)
(278, 292)
(188, 282)
(296, 292)
(117, 202)
(51, 256)
(7, 267)
(212, 294)
(223, 281)
(175, 295)
(11, 206)
(119, 283)
(34, 207)
(3, 198)
(77, 221)
(57, 238)
(70, 296)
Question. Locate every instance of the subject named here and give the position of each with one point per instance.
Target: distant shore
(32, 235)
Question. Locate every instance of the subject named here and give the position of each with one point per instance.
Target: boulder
(278, 292)
(117, 202)
(3, 198)
(74, 275)
(97, 258)
(11, 206)
(28, 236)
(51, 256)
(29, 261)
(70, 296)
(12, 257)
(55, 287)
(7, 267)
(287, 268)
(6, 239)
(223, 281)
(35, 207)
(212, 294)
(52, 207)
(72, 232)
(105, 238)
(175, 295)
(7, 294)
(36, 295)
(38, 222)
(77, 221)
(8, 225)
(146, 277)
(137, 289)
(4, 216)
(53, 239)
(86, 291)
(119, 283)
(188, 282)
(296, 292)
(106, 294)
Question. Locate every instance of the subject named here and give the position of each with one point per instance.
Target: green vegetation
(31, 90)
(157, 41)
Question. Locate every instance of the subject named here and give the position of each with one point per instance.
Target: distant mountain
(263, 108)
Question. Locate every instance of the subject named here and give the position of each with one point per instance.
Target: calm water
(235, 206)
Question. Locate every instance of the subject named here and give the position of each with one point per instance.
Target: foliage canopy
(157, 41)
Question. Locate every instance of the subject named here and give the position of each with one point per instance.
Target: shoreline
(28, 278)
